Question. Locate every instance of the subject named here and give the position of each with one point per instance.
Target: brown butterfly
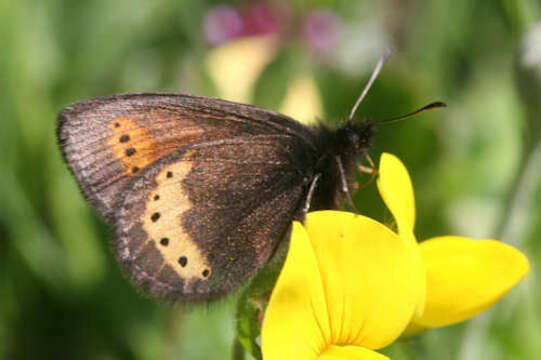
(201, 191)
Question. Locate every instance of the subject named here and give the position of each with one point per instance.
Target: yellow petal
(368, 278)
(348, 352)
(396, 190)
(466, 276)
(296, 321)
(394, 185)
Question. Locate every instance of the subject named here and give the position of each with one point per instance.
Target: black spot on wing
(183, 261)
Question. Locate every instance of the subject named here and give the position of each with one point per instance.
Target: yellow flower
(350, 285)
(463, 276)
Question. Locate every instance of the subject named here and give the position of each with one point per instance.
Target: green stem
(238, 350)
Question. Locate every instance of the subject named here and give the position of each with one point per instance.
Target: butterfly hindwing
(199, 222)
(107, 142)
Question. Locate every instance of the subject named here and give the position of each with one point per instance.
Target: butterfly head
(354, 139)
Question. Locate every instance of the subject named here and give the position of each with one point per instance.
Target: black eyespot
(169, 174)
(205, 272)
(134, 169)
(130, 151)
(183, 261)
(124, 138)
(156, 197)
(164, 241)
(155, 216)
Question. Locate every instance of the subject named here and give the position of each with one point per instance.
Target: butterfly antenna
(368, 85)
(434, 105)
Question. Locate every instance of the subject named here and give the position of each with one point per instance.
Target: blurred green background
(475, 165)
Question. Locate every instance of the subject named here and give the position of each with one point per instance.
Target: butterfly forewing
(108, 142)
(199, 222)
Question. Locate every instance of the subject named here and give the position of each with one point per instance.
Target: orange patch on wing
(131, 144)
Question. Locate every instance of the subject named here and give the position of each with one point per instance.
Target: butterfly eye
(354, 139)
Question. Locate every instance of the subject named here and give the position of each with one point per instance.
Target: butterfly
(201, 191)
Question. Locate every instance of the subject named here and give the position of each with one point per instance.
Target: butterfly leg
(368, 170)
(310, 194)
(345, 187)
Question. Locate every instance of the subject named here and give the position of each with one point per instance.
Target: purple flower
(221, 24)
(262, 18)
(321, 30)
